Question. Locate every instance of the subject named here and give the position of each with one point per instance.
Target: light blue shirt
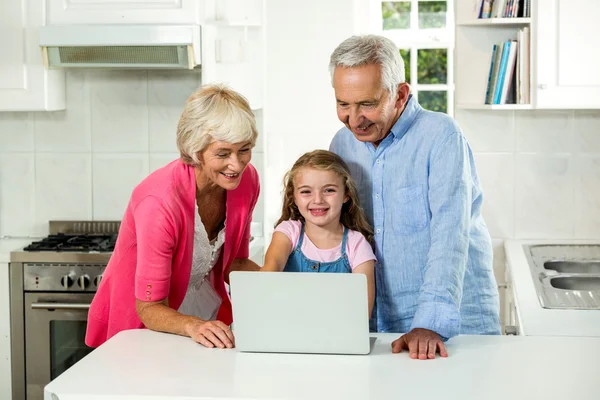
(420, 191)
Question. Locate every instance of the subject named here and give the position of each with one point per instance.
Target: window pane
(432, 66)
(396, 14)
(434, 100)
(405, 54)
(432, 14)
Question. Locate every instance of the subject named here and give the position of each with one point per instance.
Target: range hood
(121, 46)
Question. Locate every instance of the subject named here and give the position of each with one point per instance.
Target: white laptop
(295, 312)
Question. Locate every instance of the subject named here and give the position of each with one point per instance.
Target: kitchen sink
(566, 276)
(577, 267)
(576, 283)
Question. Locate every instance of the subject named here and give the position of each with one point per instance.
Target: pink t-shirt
(357, 247)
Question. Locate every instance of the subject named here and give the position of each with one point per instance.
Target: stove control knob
(97, 280)
(83, 281)
(66, 281)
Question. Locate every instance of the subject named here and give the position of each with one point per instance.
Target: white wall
(300, 111)
(540, 172)
(82, 163)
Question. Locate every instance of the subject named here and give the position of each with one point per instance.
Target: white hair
(214, 113)
(358, 51)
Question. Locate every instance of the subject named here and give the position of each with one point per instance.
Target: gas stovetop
(81, 242)
(75, 243)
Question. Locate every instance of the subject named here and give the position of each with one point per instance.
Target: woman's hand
(210, 333)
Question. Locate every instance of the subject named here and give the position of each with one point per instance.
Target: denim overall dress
(298, 262)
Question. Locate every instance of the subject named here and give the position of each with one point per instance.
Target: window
(424, 31)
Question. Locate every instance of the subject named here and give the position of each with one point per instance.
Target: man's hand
(420, 343)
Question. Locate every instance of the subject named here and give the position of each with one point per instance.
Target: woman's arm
(368, 268)
(158, 316)
(278, 252)
(242, 264)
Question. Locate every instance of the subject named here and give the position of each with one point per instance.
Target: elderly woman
(186, 226)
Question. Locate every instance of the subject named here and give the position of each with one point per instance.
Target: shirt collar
(406, 119)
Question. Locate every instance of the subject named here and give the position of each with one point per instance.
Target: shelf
(495, 21)
(494, 106)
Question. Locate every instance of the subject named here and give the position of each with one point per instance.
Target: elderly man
(417, 182)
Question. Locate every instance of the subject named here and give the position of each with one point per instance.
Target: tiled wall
(82, 163)
(540, 172)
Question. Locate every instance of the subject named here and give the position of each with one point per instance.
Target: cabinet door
(25, 84)
(125, 12)
(567, 59)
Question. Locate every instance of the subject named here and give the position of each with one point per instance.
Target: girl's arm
(278, 252)
(368, 268)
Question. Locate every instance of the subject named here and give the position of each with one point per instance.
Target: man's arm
(450, 199)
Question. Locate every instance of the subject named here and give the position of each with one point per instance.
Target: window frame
(415, 38)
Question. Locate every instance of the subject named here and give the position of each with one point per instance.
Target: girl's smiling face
(319, 196)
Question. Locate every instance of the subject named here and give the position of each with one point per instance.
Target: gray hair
(358, 51)
(214, 113)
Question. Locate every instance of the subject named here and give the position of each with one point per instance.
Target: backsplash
(540, 171)
(82, 163)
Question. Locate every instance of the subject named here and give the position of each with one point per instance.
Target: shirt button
(378, 161)
(377, 196)
(378, 231)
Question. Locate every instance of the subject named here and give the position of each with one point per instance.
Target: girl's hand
(210, 333)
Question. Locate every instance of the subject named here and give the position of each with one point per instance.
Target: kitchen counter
(533, 319)
(142, 364)
(11, 244)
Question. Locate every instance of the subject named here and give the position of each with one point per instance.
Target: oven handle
(60, 306)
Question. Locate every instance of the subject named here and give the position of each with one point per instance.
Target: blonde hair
(352, 216)
(214, 113)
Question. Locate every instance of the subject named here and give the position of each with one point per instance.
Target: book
(494, 83)
(510, 71)
(486, 9)
(502, 72)
(490, 83)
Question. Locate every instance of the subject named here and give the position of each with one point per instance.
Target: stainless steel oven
(50, 293)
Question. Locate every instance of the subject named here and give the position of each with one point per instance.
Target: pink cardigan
(152, 259)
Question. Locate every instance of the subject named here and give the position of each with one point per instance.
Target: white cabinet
(236, 60)
(247, 12)
(566, 57)
(125, 12)
(25, 85)
(5, 367)
(563, 58)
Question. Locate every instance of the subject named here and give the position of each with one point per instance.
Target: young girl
(322, 227)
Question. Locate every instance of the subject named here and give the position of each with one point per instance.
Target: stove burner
(84, 243)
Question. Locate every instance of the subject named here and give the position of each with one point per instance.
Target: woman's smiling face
(223, 163)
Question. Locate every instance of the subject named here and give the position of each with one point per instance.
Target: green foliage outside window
(396, 15)
(432, 14)
(432, 64)
(434, 100)
(405, 54)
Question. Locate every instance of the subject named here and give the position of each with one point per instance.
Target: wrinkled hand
(420, 343)
(211, 334)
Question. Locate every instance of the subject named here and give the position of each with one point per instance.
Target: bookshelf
(475, 40)
(496, 21)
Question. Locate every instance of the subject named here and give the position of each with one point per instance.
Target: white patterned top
(205, 256)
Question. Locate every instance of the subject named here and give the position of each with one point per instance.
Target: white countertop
(533, 319)
(142, 364)
(11, 244)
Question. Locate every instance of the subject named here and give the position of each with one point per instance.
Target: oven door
(55, 327)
